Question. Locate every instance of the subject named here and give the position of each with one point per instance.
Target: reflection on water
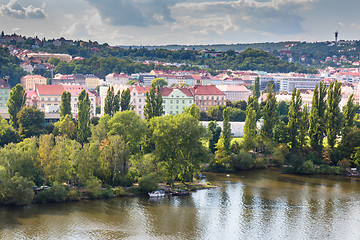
(249, 205)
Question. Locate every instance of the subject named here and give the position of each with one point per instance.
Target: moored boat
(157, 193)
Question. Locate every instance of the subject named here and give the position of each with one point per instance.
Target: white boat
(157, 193)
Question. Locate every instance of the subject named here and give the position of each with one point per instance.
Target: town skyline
(182, 22)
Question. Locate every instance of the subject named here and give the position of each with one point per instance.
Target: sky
(165, 22)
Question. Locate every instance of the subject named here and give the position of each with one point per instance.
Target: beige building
(91, 81)
(46, 56)
(29, 81)
(208, 96)
(235, 93)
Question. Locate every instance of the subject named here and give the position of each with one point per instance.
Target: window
(42, 105)
(183, 101)
(42, 99)
(190, 101)
(140, 100)
(164, 101)
(134, 100)
(177, 101)
(140, 106)
(49, 99)
(56, 99)
(171, 101)
(75, 105)
(177, 107)
(139, 112)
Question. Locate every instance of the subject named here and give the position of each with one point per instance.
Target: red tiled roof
(29, 93)
(165, 91)
(75, 90)
(49, 89)
(187, 92)
(206, 90)
(140, 89)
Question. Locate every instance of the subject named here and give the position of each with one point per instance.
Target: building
(116, 79)
(4, 93)
(91, 81)
(46, 56)
(50, 98)
(175, 100)
(208, 96)
(235, 93)
(287, 84)
(138, 96)
(29, 81)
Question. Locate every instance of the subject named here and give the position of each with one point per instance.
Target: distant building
(116, 79)
(4, 93)
(235, 93)
(138, 96)
(46, 56)
(287, 84)
(29, 81)
(175, 100)
(208, 96)
(91, 81)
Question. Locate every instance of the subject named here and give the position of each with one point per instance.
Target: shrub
(92, 187)
(243, 160)
(120, 191)
(260, 163)
(280, 154)
(16, 191)
(73, 196)
(306, 168)
(148, 183)
(108, 193)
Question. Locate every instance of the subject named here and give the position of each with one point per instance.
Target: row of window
(178, 101)
(209, 98)
(5, 98)
(208, 103)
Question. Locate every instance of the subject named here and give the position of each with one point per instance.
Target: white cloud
(14, 9)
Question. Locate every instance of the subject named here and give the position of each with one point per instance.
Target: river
(262, 204)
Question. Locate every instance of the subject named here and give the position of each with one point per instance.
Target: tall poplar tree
(333, 114)
(16, 101)
(153, 106)
(215, 135)
(270, 114)
(348, 117)
(226, 131)
(250, 130)
(109, 101)
(125, 100)
(83, 117)
(116, 103)
(65, 107)
(257, 87)
(294, 116)
(304, 127)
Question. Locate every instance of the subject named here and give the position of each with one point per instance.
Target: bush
(16, 191)
(148, 183)
(243, 160)
(92, 187)
(306, 168)
(120, 191)
(108, 193)
(280, 154)
(260, 163)
(73, 196)
(57, 193)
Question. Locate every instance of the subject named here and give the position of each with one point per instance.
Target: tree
(116, 103)
(215, 132)
(46, 144)
(153, 106)
(304, 127)
(125, 100)
(83, 117)
(161, 82)
(194, 111)
(131, 82)
(348, 117)
(257, 88)
(16, 191)
(250, 130)
(31, 122)
(16, 101)
(269, 114)
(109, 101)
(65, 107)
(317, 118)
(65, 127)
(226, 131)
(294, 119)
(333, 114)
(7, 133)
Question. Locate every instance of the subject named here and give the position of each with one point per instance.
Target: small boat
(180, 192)
(157, 193)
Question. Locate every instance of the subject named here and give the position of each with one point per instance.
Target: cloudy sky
(162, 22)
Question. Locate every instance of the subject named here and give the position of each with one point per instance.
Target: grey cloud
(14, 9)
(140, 13)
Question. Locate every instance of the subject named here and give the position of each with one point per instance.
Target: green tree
(153, 106)
(333, 114)
(65, 127)
(194, 111)
(250, 129)
(304, 127)
(348, 116)
(294, 115)
(31, 122)
(226, 131)
(257, 88)
(16, 101)
(83, 117)
(109, 101)
(125, 100)
(7, 133)
(16, 191)
(54, 61)
(270, 114)
(116, 103)
(131, 82)
(65, 107)
(215, 132)
(161, 82)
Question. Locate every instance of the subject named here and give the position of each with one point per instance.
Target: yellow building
(29, 81)
(91, 81)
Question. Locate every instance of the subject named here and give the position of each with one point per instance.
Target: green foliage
(125, 100)
(280, 154)
(161, 82)
(93, 187)
(250, 129)
(65, 127)
(83, 117)
(16, 101)
(215, 132)
(16, 191)
(65, 107)
(269, 114)
(153, 106)
(348, 117)
(10, 67)
(257, 88)
(148, 183)
(31, 122)
(333, 115)
(7, 133)
(294, 120)
(226, 130)
(57, 193)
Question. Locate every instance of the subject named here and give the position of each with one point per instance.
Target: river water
(262, 204)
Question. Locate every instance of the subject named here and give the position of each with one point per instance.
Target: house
(175, 100)
(116, 79)
(208, 96)
(91, 81)
(235, 93)
(138, 96)
(29, 81)
(50, 98)
(4, 93)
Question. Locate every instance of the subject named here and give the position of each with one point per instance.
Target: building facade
(4, 93)
(29, 81)
(175, 100)
(208, 96)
